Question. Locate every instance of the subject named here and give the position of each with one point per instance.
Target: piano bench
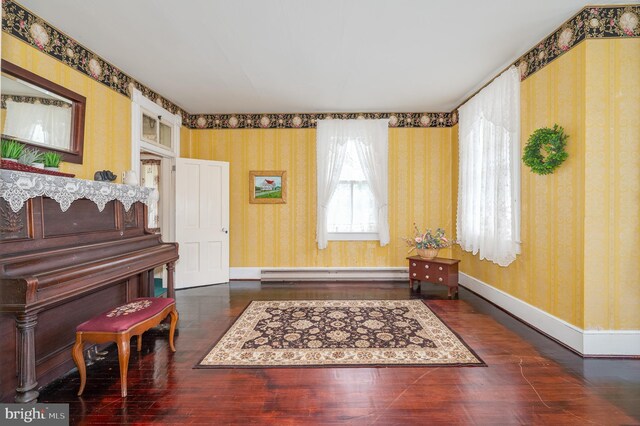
(119, 325)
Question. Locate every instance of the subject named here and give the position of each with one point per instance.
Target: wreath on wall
(545, 150)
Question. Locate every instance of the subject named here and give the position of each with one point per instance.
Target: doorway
(155, 173)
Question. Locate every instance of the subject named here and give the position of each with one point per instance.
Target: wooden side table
(438, 270)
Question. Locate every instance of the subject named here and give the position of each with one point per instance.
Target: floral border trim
(32, 100)
(618, 21)
(591, 22)
(300, 121)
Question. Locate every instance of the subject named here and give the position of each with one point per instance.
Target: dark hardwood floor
(529, 379)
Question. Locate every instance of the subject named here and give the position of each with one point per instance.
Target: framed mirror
(40, 113)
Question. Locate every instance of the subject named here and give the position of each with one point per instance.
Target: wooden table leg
(123, 360)
(453, 292)
(78, 357)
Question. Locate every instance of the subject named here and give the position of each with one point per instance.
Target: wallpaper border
(301, 121)
(592, 22)
(616, 21)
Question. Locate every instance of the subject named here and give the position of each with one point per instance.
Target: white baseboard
(612, 342)
(335, 274)
(585, 342)
(244, 273)
(321, 274)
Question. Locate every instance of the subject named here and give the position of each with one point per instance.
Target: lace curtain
(44, 124)
(488, 219)
(371, 141)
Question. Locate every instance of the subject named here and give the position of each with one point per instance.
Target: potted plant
(428, 244)
(51, 160)
(11, 149)
(31, 157)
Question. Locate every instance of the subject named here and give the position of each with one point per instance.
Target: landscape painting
(267, 187)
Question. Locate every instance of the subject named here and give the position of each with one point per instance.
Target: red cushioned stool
(118, 325)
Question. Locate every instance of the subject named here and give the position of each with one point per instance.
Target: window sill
(353, 236)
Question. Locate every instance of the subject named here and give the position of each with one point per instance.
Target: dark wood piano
(58, 269)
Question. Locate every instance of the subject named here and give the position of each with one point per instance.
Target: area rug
(338, 333)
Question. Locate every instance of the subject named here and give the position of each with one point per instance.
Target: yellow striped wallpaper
(185, 142)
(612, 182)
(107, 137)
(282, 235)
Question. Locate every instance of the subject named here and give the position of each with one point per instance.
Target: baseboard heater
(334, 274)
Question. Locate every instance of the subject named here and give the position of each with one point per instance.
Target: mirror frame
(74, 154)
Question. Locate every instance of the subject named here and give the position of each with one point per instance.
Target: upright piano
(60, 268)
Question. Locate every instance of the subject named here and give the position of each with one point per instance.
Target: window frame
(353, 235)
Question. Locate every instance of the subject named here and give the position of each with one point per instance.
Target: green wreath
(553, 141)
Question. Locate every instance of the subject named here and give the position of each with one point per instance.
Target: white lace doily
(17, 187)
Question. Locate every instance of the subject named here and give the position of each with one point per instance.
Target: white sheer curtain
(488, 219)
(45, 124)
(371, 140)
(330, 153)
(373, 151)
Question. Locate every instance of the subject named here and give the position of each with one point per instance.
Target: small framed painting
(268, 187)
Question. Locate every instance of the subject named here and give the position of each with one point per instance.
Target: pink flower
(612, 22)
(628, 32)
(418, 240)
(21, 24)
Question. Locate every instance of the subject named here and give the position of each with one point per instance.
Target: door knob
(225, 230)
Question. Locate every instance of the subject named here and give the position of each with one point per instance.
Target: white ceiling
(279, 56)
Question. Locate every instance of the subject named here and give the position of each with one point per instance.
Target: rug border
(199, 366)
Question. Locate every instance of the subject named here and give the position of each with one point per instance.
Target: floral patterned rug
(342, 333)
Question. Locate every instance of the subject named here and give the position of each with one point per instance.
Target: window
(488, 220)
(352, 208)
(352, 173)
(156, 131)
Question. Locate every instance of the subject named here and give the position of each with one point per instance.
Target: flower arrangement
(428, 240)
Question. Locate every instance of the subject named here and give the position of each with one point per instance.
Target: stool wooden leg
(78, 358)
(139, 342)
(123, 360)
(172, 330)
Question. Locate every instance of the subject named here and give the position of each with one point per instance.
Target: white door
(202, 222)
